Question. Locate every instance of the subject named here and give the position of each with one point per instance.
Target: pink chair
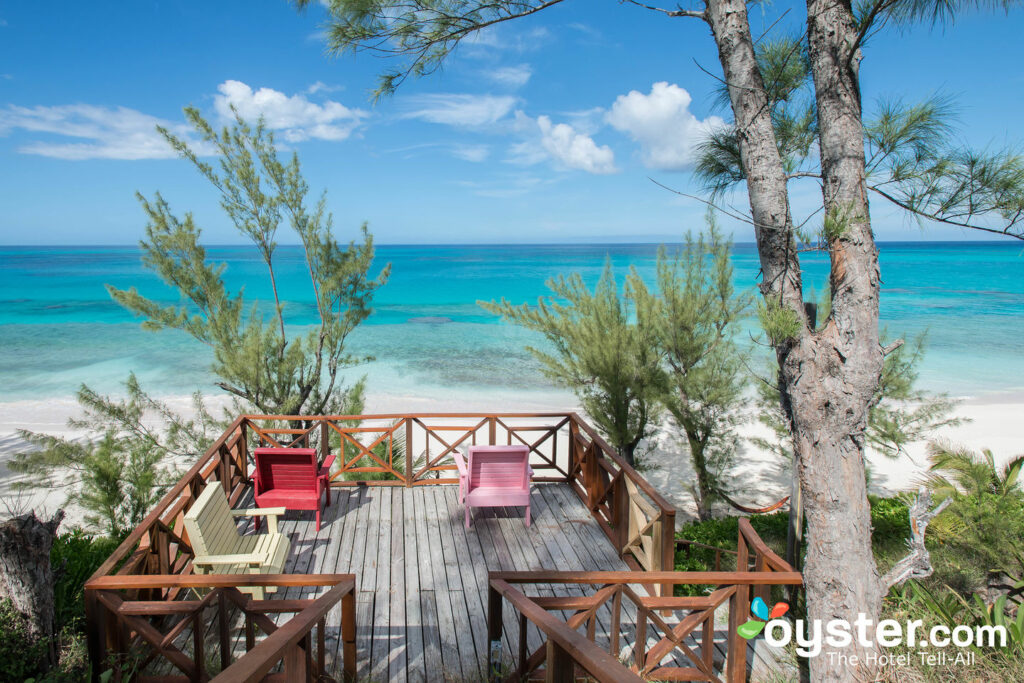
(494, 476)
(290, 478)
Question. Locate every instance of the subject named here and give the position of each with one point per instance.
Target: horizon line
(989, 241)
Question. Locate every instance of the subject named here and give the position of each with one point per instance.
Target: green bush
(20, 654)
(74, 557)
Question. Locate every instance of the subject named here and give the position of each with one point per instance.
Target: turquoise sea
(58, 327)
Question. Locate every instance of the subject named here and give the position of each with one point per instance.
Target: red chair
(292, 479)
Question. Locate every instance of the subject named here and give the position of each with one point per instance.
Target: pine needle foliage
(913, 151)
(257, 358)
(693, 316)
(120, 473)
(598, 352)
(899, 414)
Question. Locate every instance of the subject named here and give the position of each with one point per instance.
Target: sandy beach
(990, 421)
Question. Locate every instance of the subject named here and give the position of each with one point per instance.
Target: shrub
(21, 655)
(75, 556)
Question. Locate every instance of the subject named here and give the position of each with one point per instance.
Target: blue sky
(543, 130)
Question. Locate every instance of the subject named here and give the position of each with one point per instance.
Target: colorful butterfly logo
(758, 607)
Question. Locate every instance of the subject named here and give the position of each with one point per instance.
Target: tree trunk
(826, 377)
(25, 573)
(702, 494)
(830, 376)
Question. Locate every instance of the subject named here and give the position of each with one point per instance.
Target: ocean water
(59, 328)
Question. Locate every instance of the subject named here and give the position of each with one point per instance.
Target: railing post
(559, 667)
(574, 430)
(668, 546)
(95, 634)
(348, 636)
(225, 630)
(620, 513)
(494, 603)
(736, 656)
(295, 662)
(243, 449)
(739, 609)
(492, 431)
(325, 440)
(410, 461)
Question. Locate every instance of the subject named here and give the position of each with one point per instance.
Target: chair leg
(318, 519)
(467, 516)
(256, 522)
(527, 514)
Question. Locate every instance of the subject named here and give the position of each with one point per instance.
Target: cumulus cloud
(510, 76)
(562, 143)
(663, 124)
(460, 110)
(296, 117)
(104, 132)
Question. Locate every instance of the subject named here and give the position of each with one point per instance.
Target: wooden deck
(422, 576)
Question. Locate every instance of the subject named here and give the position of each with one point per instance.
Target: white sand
(995, 422)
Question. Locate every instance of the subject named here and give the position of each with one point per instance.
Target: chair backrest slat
(293, 469)
(499, 466)
(211, 528)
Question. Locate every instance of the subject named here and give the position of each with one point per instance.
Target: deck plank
(421, 599)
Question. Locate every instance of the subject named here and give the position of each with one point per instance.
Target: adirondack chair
(218, 548)
(290, 478)
(494, 476)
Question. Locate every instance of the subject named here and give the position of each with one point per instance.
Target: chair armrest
(259, 512)
(233, 558)
(529, 472)
(460, 463)
(326, 466)
(270, 513)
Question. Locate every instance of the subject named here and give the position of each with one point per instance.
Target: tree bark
(830, 376)
(26, 577)
(827, 377)
(759, 153)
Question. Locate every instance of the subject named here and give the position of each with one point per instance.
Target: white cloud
(295, 117)
(510, 76)
(107, 132)
(320, 86)
(663, 125)
(562, 143)
(474, 153)
(460, 109)
(573, 149)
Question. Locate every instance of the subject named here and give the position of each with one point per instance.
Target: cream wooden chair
(218, 548)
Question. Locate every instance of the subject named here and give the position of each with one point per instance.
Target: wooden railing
(169, 639)
(386, 450)
(616, 618)
(416, 450)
